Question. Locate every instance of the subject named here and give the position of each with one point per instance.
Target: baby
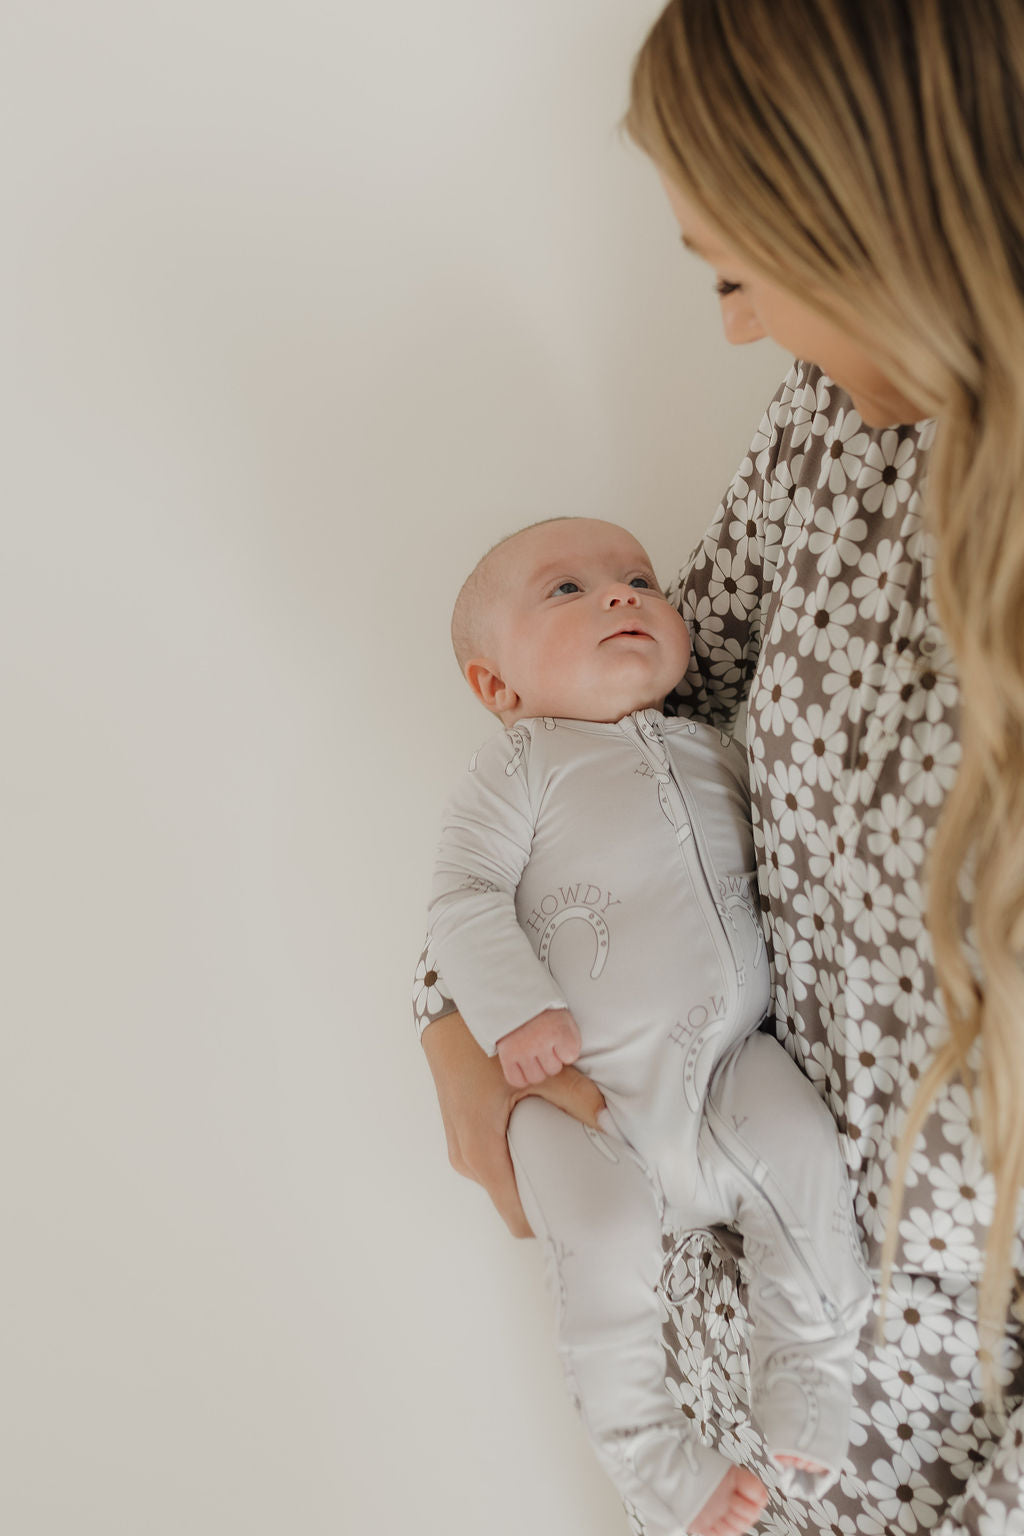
(594, 902)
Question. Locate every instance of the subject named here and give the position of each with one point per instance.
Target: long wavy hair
(870, 159)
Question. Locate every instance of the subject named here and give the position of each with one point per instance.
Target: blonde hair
(870, 158)
(481, 590)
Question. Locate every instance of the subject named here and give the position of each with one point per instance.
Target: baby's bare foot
(800, 1462)
(734, 1506)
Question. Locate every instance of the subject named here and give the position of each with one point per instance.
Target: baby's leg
(775, 1145)
(595, 1210)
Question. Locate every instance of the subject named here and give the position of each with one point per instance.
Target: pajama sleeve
(486, 837)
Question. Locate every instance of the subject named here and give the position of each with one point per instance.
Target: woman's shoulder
(812, 445)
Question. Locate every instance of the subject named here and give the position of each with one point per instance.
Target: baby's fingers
(567, 1043)
(532, 1070)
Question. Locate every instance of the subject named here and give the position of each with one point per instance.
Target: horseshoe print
(594, 921)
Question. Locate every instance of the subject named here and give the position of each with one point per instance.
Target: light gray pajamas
(610, 868)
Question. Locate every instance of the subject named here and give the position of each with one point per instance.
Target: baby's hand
(539, 1048)
(734, 1506)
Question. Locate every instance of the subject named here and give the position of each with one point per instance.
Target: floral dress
(810, 599)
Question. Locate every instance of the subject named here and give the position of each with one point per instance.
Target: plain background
(307, 304)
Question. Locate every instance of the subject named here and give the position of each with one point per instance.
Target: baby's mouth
(632, 631)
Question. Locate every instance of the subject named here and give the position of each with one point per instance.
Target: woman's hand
(476, 1103)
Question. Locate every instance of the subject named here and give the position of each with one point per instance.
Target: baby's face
(581, 629)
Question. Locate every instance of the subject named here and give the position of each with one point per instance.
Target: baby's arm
(539, 1048)
(484, 955)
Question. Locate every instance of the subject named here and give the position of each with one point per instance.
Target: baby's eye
(566, 588)
(723, 287)
(639, 581)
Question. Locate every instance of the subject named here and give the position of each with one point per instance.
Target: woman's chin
(890, 411)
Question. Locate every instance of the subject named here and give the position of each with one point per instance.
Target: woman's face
(752, 307)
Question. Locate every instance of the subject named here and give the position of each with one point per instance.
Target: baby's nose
(619, 594)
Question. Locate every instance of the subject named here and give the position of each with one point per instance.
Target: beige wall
(312, 302)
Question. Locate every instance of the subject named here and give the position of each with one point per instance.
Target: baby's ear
(492, 691)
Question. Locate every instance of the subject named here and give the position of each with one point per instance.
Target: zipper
(828, 1306)
(693, 850)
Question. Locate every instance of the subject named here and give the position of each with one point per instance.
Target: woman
(854, 173)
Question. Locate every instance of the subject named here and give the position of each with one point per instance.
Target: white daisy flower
(915, 1057)
(837, 535)
(964, 1453)
(741, 1442)
(832, 1523)
(879, 588)
(905, 1382)
(862, 1120)
(872, 1058)
(704, 624)
(827, 995)
(962, 1352)
(844, 447)
(792, 799)
(903, 1496)
(818, 743)
(930, 757)
(872, 1199)
(874, 917)
(779, 495)
(815, 919)
(916, 1316)
(794, 960)
(733, 586)
(935, 1244)
(820, 1068)
(899, 979)
(825, 623)
(428, 996)
(779, 687)
(896, 836)
(907, 1430)
(887, 472)
(860, 989)
(961, 1187)
(854, 677)
(745, 528)
(809, 412)
(820, 849)
(936, 692)
(730, 664)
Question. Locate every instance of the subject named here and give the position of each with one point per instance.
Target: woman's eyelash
(723, 288)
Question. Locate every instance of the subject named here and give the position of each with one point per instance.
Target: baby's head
(566, 618)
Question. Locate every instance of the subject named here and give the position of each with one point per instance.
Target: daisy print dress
(810, 601)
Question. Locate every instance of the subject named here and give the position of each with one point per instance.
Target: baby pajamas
(609, 868)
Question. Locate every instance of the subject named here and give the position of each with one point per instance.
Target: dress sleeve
(486, 838)
(724, 589)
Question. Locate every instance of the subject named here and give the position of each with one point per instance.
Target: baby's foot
(801, 1462)
(734, 1506)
